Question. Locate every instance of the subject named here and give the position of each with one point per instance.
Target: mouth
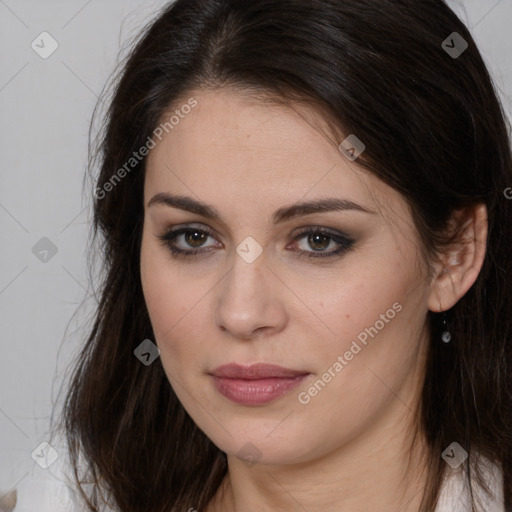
(257, 384)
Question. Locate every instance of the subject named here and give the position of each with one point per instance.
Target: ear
(460, 263)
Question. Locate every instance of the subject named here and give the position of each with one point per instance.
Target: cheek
(377, 317)
(162, 292)
(175, 305)
(380, 341)
(353, 303)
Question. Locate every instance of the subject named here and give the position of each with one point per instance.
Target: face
(335, 296)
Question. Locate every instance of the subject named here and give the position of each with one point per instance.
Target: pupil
(318, 238)
(195, 242)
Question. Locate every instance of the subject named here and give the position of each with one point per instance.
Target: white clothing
(454, 496)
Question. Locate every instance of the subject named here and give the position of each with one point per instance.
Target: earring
(446, 336)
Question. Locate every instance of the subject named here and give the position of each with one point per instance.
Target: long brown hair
(434, 130)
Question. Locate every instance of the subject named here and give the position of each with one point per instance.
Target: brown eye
(317, 242)
(195, 238)
(192, 240)
(320, 239)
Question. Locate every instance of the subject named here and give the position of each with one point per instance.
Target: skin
(248, 158)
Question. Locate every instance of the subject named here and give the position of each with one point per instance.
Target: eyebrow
(281, 215)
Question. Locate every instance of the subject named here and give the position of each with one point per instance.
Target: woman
(306, 240)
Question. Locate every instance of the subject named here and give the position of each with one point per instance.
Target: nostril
(8, 501)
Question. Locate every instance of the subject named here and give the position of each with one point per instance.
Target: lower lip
(257, 391)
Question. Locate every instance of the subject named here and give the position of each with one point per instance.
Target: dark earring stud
(446, 336)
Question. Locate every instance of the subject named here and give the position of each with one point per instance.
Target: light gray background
(46, 106)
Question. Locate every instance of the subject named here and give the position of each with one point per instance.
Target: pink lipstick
(257, 384)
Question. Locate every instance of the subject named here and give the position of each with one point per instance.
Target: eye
(317, 238)
(320, 239)
(191, 236)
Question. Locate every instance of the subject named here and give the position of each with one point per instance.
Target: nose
(250, 300)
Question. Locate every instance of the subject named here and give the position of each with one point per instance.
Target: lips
(255, 371)
(257, 384)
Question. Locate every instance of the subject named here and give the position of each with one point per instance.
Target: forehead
(240, 148)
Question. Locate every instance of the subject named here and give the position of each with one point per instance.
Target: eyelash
(344, 241)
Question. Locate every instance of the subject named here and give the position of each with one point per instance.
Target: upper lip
(255, 371)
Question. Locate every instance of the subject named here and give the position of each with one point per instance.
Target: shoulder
(45, 490)
(455, 493)
(49, 487)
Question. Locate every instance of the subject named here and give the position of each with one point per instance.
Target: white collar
(454, 495)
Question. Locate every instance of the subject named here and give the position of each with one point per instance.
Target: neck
(371, 472)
